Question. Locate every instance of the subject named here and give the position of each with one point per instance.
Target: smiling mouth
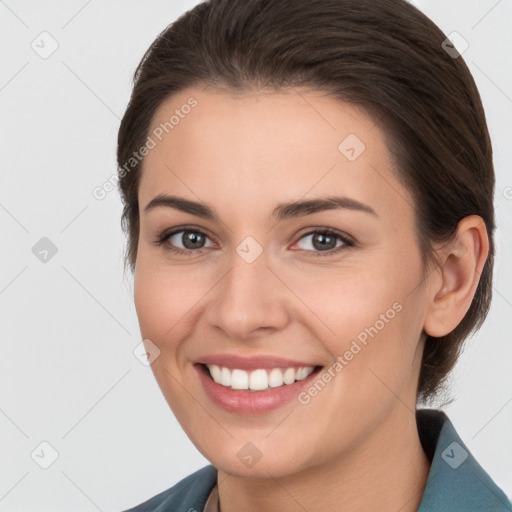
(257, 380)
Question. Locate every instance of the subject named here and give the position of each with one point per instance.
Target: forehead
(264, 145)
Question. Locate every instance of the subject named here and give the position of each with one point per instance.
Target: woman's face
(254, 280)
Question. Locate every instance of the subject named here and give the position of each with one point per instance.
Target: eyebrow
(282, 211)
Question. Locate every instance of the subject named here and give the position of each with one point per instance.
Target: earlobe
(461, 262)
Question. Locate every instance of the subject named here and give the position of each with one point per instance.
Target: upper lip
(252, 363)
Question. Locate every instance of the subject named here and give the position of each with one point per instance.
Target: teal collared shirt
(456, 481)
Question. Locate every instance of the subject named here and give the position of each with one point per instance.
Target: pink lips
(252, 363)
(249, 402)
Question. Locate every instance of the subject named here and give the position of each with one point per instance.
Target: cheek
(349, 299)
(166, 300)
(370, 312)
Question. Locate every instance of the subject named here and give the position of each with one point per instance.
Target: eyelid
(348, 241)
(163, 236)
(310, 230)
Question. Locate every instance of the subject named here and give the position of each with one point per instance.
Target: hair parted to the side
(383, 55)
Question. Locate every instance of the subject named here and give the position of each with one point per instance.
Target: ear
(460, 266)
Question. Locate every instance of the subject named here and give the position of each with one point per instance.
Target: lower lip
(251, 402)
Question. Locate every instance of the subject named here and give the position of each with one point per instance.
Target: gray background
(68, 375)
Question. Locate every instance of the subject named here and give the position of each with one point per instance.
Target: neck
(387, 471)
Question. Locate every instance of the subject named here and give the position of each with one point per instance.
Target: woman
(308, 196)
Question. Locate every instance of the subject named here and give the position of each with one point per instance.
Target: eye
(324, 242)
(192, 239)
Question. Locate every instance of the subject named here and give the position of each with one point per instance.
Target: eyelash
(165, 235)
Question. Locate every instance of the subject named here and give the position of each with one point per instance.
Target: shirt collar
(456, 481)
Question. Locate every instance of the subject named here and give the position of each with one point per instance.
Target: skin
(356, 442)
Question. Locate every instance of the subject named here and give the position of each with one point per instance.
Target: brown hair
(383, 55)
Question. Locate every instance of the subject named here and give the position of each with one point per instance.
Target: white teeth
(257, 380)
(239, 379)
(302, 373)
(275, 378)
(225, 377)
(289, 376)
(215, 372)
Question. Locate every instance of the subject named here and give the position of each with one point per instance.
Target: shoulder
(456, 482)
(188, 495)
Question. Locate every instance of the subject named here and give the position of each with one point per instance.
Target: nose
(249, 300)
